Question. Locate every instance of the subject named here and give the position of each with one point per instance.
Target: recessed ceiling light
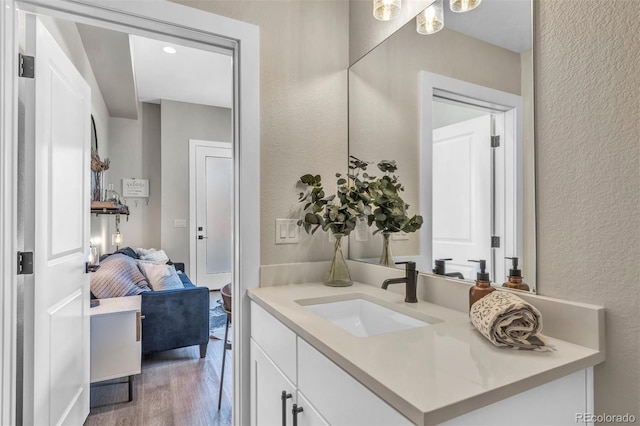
(168, 49)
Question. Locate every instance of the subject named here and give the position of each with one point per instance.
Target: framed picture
(135, 188)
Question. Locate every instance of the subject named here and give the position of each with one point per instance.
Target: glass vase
(387, 258)
(338, 273)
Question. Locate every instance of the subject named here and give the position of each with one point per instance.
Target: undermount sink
(364, 318)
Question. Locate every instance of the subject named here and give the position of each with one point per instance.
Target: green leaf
(311, 218)
(380, 217)
(342, 181)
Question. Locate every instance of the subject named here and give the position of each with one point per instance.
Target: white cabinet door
(308, 416)
(115, 345)
(267, 385)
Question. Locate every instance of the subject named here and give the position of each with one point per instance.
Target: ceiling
(505, 23)
(131, 69)
(189, 75)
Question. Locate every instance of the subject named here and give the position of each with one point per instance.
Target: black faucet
(440, 269)
(410, 279)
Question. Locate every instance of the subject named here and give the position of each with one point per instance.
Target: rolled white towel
(508, 321)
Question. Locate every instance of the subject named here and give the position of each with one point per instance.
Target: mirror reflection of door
(214, 212)
(468, 199)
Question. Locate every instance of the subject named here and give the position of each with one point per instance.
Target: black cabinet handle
(283, 397)
(295, 410)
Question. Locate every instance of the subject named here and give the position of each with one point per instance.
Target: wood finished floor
(174, 388)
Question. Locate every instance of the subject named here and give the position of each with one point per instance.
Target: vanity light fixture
(169, 49)
(431, 20)
(460, 6)
(386, 10)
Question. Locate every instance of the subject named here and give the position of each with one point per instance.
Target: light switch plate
(180, 223)
(287, 231)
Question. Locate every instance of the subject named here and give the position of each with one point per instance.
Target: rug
(217, 321)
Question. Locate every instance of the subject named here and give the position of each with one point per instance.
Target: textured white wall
(303, 102)
(588, 141)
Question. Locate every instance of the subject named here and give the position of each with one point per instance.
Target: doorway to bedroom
(183, 94)
(145, 135)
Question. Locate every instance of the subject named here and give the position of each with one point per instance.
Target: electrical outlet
(287, 231)
(180, 223)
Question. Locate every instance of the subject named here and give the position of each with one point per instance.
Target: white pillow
(161, 277)
(158, 256)
(143, 251)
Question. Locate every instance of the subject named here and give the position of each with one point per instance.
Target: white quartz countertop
(429, 374)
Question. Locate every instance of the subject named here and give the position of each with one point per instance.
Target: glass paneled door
(213, 213)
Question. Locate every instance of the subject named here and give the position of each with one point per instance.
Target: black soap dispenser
(483, 284)
(515, 277)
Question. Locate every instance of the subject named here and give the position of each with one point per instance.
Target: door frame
(193, 144)
(167, 20)
(432, 84)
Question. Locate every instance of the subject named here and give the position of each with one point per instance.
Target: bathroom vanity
(436, 370)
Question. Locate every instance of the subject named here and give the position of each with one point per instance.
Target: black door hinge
(25, 262)
(26, 66)
(495, 141)
(495, 242)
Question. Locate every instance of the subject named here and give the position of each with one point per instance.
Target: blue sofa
(172, 319)
(176, 318)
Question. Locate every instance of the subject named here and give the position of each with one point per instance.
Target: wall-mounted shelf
(109, 207)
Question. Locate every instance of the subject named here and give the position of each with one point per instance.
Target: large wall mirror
(454, 109)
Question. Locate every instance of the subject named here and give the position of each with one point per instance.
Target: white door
(462, 194)
(56, 196)
(214, 213)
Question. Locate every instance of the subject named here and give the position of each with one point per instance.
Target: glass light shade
(430, 20)
(386, 10)
(459, 6)
(116, 239)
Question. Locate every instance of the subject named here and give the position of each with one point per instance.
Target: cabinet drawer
(115, 346)
(337, 395)
(275, 339)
